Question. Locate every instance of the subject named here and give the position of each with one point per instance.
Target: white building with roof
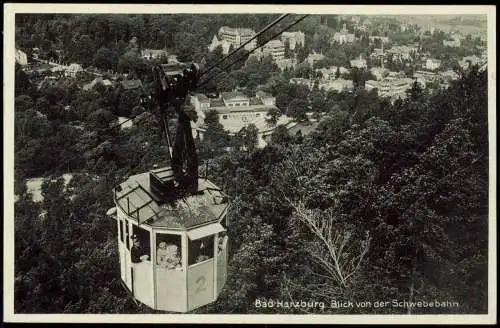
(338, 85)
(151, 54)
(392, 87)
(314, 57)
(330, 72)
(275, 49)
(374, 38)
(452, 43)
(73, 70)
(294, 39)
(358, 63)
(301, 81)
(286, 63)
(379, 72)
(432, 64)
(400, 53)
(235, 37)
(343, 36)
(468, 61)
(235, 110)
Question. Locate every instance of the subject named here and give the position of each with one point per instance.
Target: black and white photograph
(249, 163)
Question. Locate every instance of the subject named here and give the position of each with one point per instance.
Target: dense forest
(382, 201)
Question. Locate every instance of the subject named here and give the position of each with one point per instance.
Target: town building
(378, 54)
(395, 75)
(235, 37)
(235, 109)
(402, 53)
(468, 61)
(390, 87)
(452, 43)
(275, 49)
(58, 69)
(361, 28)
(286, 63)
(374, 38)
(21, 57)
(294, 39)
(356, 19)
(379, 72)
(314, 57)
(449, 75)
(343, 36)
(358, 63)
(151, 54)
(330, 72)
(73, 70)
(338, 85)
(234, 103)
(425, 77)
(301, 81)
(432, 64)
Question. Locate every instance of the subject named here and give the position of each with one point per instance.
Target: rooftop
(241, 31)
(262, 94)
(216, 102)
(202, 97)
(153, 51)
(274, 44)
(138, 201)
(131, 84)
(233, 95)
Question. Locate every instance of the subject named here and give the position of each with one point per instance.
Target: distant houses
(379, 72)
(338, 85)
(151, 54)
(403, 53)
(358, 63)
(375, 38)
(343, 36)
(329, 73)
(314, 57)
(469, 61)
(73, 70)
(301, 81)
(454, 43)
(432, 64)
(286, 63)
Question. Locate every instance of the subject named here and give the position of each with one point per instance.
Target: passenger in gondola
(138, 252)
(202, 256)
(168, 256)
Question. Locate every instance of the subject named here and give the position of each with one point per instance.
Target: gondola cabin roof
(136, 199)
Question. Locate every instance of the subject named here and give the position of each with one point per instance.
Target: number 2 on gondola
(200, 284)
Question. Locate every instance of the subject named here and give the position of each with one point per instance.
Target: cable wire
(263, 43)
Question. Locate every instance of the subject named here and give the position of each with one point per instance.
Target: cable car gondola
(171, 223)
